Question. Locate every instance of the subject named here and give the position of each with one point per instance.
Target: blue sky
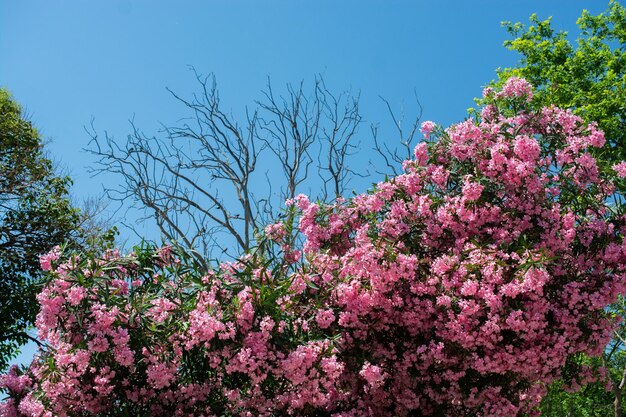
(69, 61)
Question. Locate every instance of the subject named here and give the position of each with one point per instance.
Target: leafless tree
(402, 149)
(210, 182)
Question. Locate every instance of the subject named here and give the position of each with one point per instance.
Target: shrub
(462, 287)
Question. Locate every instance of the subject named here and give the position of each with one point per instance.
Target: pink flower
(160, 375)
(14, 382)
(596, 137)
(46, 260)
(325, 318)
(275, 231)
(164, 256)
(469, 288)
(372, 374)
(526, 149)
(75, 295)
(516, 87)
(620, 169)
(426, 128)
(472, 190)
(421, 153)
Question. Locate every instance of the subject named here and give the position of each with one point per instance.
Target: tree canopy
(35, 215)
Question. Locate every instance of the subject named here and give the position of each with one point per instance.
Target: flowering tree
(460, 287)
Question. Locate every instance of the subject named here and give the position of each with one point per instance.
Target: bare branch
(394, 158)
(199, 179)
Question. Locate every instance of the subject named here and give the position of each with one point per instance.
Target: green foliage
(591, 401)
(35, 215)
(589, 77)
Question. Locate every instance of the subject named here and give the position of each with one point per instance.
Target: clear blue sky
(69, 61)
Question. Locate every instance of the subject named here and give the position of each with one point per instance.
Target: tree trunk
(618, 390)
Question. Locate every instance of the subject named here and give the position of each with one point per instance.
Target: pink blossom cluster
(46, 260)
(173, 341)
(471, 278)
(460, 287)
(275, 231)
(515, 87)
(426, 128)
(620, 169)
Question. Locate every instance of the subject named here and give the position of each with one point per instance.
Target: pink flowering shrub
(460, 288)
